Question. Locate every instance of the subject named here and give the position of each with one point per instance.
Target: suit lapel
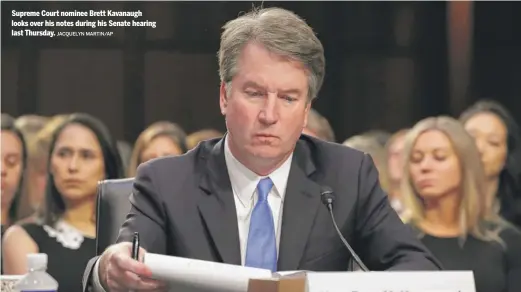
(217, 206)
(301, 203)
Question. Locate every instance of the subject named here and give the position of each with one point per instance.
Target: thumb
(141, 256)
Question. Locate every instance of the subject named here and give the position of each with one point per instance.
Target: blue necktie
(261, 251)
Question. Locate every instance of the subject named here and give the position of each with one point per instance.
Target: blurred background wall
(388, 63)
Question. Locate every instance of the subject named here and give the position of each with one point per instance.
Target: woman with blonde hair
(30, 125)
(443, 188)
(394, 166)
(35, 182)
(159, 139)
(195, 138)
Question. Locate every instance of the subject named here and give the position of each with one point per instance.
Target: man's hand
(119, 272)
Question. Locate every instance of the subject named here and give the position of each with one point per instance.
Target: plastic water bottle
(37, 279)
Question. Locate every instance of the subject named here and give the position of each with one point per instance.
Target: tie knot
(264, 188)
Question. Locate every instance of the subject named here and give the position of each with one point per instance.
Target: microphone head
(327, 196)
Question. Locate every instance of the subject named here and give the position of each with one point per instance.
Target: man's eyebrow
(284, 91)
(291, 91)
(252, 84)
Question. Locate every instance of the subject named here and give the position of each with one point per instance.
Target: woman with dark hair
(14, 155)
(82, 153)
(498, 138)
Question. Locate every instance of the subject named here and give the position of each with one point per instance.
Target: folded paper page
(189, 275)
(289, 274)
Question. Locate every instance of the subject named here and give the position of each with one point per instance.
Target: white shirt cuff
(96, 283)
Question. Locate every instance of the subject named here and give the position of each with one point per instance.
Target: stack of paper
(189, 275)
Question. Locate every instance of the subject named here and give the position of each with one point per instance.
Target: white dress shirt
(244, 184)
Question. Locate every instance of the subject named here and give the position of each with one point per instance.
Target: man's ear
(223, 98)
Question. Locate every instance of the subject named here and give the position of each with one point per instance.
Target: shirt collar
(244, 181)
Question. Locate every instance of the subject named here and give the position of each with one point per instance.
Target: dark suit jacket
(184, 206)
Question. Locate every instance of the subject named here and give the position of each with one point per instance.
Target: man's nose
(269, 112)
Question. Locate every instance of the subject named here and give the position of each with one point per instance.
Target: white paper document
(189, 275)
(414, 281)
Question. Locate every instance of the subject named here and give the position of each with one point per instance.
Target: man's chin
(266, 154)
(264, 150)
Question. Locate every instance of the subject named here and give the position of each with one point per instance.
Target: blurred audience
(394, 169)
(36, 175)
(498, 138)
(380, 136)
(159, 139)
(82, 152)
(30, 125)
(125, 151)
(14, 162)
(14, 157)
(369, 143)
(206, 134)
(456, 183)
(319, 127)
(444, 188)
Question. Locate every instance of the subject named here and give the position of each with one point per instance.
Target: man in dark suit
(254, 197)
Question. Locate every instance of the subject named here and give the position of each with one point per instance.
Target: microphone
(328, 198)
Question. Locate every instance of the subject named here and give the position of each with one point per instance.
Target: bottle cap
(37, 261)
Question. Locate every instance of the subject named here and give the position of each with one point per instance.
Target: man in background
(318, 126)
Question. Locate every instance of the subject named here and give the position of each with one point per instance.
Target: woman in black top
(82, 153)
(498, 138)
(443, 188)
(14, 157)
